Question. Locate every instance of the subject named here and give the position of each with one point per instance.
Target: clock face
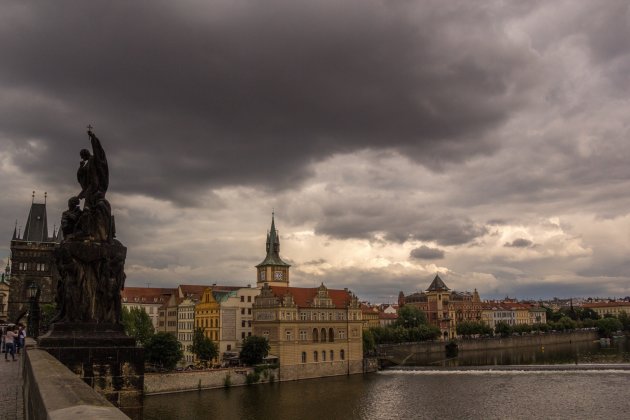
(277, 275)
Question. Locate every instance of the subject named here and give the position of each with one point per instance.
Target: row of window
(32, 266)
(185, 336)
(30, 254)
(249, 323)
(186, 315)
(322, 335)
(208, 323)
(317, 358)
(249, 310)
(249, 298)
(185, 325)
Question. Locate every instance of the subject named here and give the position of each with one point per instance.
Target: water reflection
(410, 395)
(438, 394)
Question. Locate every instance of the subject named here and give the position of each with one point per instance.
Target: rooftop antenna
(148, 284)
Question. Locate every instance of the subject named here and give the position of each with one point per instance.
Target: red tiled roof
(383, 315)
(146, 294)
(305, 296)
(197, 289)
(605, 304)
(192, 289)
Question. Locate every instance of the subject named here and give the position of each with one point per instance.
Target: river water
(429, 393)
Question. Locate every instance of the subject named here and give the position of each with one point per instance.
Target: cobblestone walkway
(11, 401)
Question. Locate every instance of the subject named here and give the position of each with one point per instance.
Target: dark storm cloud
(367, 218)
(426, 253)
(190, 95)
(519, 243)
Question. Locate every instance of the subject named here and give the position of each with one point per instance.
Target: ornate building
(313, 332)
(32, 261)
(445, 307)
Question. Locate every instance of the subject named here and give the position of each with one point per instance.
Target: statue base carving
(92, 275)
(104, 357)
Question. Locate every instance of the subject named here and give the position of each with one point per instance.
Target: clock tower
(272, 271)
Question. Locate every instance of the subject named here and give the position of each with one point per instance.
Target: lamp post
(33, 292)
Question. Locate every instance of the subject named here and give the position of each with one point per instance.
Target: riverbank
(518, 368)
(426, 353)
(173, 382)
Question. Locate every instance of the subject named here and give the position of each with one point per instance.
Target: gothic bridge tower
(32, 261)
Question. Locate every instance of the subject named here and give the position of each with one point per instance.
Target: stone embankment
(400, 354)
(163, 383)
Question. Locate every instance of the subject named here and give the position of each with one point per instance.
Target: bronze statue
(89, 260)
(93, 172)
(70, 218)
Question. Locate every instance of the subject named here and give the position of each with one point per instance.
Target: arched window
(342, 354)
(332, 355)
(315, 336)
(331, 335)
(303, 357)
(315, 356)
(323, 355)
(323, 336)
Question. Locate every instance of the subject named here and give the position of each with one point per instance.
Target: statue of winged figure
(93, 172)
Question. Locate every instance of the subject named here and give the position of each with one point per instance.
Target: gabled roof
(305, 296)
(437, 285)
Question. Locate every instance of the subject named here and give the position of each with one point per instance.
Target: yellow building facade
(207, 315)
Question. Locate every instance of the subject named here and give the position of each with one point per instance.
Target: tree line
(163, 350)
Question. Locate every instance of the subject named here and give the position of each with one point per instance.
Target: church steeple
(272, 269)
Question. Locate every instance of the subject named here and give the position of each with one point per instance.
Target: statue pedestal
(104, 357)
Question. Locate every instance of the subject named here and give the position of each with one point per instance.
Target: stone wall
(320, 369)
(410, 353)
(161, 383)
(526, 340)
(52, 392)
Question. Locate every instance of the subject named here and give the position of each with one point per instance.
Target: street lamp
(33, 292)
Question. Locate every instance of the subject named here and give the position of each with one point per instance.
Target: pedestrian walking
(20, 340)
(9, 342)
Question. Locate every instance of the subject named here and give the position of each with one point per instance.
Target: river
(483, 393)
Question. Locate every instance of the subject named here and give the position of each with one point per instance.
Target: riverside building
(313, 332)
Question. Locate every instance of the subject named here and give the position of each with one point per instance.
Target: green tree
(522, 329)
(625, 320)
(565, 324)
(204, 348)
(469, 328)
(588, 313)
(503, 328)
(163, 349)
(410, 317)
(137, 324)
(608, 326)
(369, 342)
(255, 349)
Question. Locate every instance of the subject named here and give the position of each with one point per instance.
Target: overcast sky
(484, 140)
